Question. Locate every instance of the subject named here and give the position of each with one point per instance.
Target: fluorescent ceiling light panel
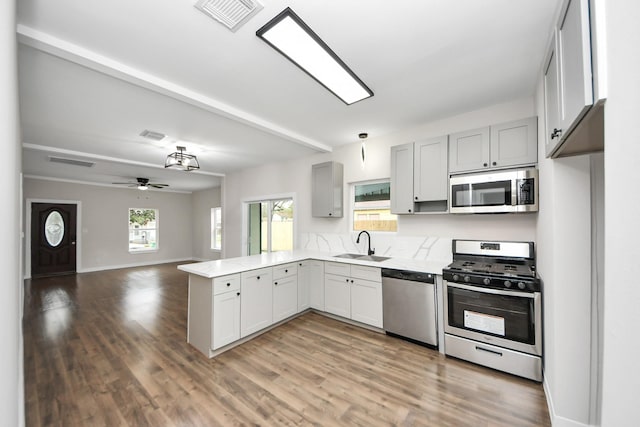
(290, 36)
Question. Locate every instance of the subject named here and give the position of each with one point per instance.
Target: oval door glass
(54, 228)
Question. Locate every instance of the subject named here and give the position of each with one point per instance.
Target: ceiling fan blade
(124, 183)
(158, 185)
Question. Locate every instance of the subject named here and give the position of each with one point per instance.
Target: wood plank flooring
(109, 349)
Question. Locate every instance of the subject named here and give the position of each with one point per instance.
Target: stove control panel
(492, 281)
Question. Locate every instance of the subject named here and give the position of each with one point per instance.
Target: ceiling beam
(62, 151)
(87, 58)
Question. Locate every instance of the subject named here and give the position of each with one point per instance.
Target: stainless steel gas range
(493, 306)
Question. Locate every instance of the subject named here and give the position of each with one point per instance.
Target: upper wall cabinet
(326, 190)
(498, 146)
(419, 176)
(568, 85)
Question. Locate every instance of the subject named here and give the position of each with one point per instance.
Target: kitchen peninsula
(235, 299)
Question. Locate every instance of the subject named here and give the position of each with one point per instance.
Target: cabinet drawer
(338, 268)
(366, 273)
(285, 270)
(226, 283)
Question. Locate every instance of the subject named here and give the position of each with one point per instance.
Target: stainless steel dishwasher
(409, 305)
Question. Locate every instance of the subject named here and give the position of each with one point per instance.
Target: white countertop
(223, 267)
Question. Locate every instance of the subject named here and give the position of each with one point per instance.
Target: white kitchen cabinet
(419, 176)
(366, 302)
(285, 291)
(469, 150)
(337, 295)
(285, 298)
(502, 145)
(214, 312)
(401, 183)
(310, 285)
(568, 74)
(327, 190)
(354, 292)
(514, 143)
(430, 171)
(256, 310)
(226, 318)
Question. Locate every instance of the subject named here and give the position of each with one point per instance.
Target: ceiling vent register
(74, 162)
(230, 13)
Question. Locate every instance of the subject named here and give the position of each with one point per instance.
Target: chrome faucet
(369, 250)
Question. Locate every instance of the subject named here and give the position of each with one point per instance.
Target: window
(372, 207)
(270, 226)
(143, 230)
(216, 228)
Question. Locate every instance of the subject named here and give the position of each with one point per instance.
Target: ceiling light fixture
(290, 36)
(182, 160)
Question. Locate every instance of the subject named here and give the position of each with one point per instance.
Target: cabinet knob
(300, 264)
(347, 280)
(330, 214)
(485, 165)
(494, 163)
(238, 294)
(351, 280)
(409, 210)
(286, 271)
(275, 283)
(228, 284)
(258, 277)
(416, 197)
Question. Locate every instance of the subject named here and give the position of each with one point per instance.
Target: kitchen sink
(350, 256)
(374, 258)
(362, 257)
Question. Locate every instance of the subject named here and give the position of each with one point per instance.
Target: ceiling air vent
(74, 162)
(156, 136)
(230, 13)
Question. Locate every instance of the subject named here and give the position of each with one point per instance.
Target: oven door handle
(492, 291)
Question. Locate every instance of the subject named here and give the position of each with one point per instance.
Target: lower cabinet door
(304, 271)
(337, 295)
(256, 310)
(366, 302)
(285, 298)
(226, 319)
(316, 284)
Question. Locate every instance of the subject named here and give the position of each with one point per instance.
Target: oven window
(496, 193)
(509, 317)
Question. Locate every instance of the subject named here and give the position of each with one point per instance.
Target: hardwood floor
(109, 349)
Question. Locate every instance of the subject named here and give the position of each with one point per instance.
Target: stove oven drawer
(513, 362)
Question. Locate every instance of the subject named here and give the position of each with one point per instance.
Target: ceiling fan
(142, 184)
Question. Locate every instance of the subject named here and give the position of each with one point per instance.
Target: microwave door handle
(514, 192)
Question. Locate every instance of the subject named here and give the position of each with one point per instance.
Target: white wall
(202, 203)
(11, 357)
(295, 177)
(103, 240)
(621, 376)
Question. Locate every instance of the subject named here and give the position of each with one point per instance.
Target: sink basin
(374, 258)
(362, 257)
(350, 256)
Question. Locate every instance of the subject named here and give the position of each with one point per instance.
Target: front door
(53, 239)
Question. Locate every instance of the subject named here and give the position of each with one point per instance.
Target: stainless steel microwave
(502, 191)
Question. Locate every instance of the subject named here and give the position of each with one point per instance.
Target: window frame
(216, 217)
(156, 229)
(352, 203)
(269, 199)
